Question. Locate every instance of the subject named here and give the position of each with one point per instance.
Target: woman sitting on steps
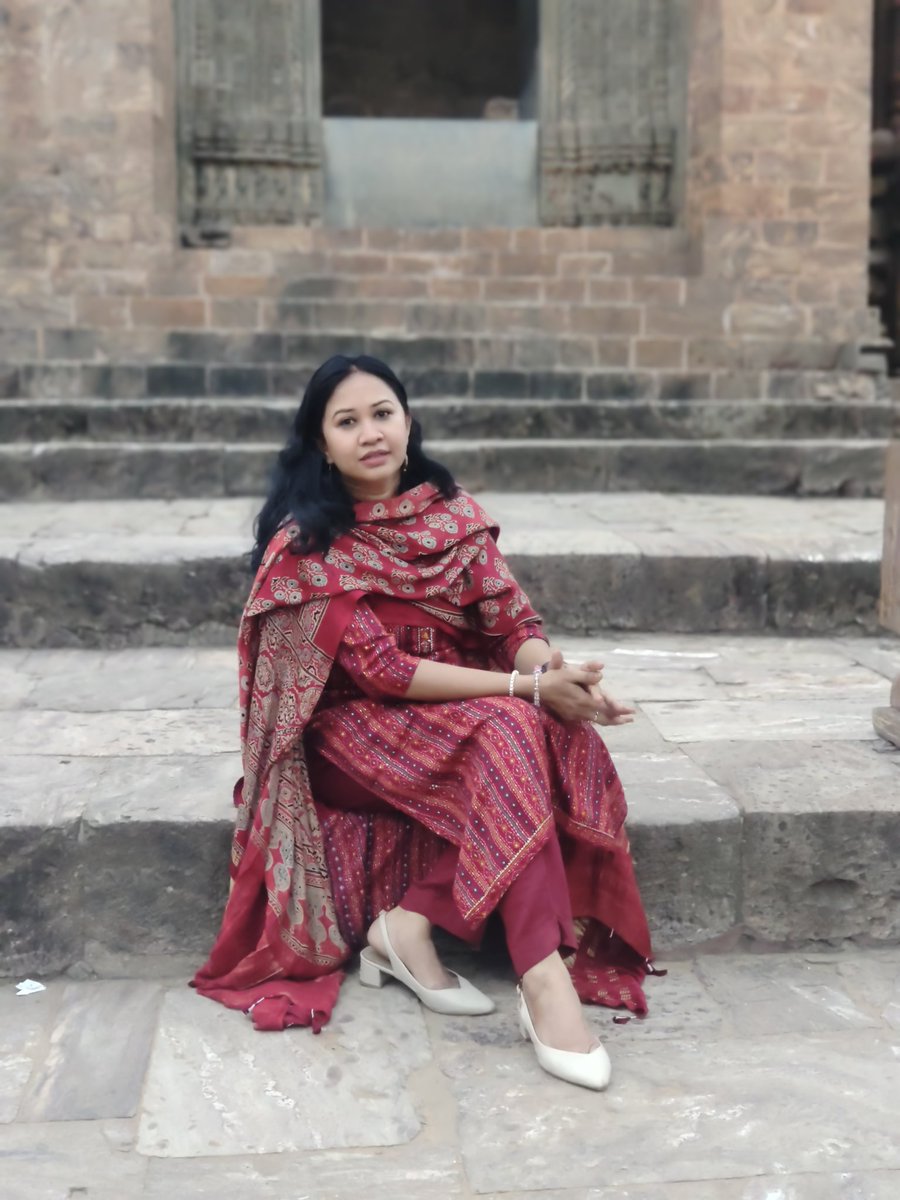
(414, 752)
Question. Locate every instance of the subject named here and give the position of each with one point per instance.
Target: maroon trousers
(535, 909)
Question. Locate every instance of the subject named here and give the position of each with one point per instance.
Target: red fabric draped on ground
(495, 777)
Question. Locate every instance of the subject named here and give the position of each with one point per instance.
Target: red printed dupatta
(280, 921)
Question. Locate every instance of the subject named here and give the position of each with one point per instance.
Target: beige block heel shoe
(591, 1070)
(465, 1000)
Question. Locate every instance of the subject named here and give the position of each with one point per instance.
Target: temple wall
(760, 288)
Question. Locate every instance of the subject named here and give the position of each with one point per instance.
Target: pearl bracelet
(538, 672)
(512, 682)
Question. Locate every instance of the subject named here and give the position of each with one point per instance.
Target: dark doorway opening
(884, 250)
(429, 58)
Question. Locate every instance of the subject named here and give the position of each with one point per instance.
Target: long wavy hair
(304, 489)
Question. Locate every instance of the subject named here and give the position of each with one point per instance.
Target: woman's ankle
(410, 939)
(554, 1006)
(547, 975)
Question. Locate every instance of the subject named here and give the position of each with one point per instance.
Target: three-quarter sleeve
(503, 654)
(503, 600)
(371, 657)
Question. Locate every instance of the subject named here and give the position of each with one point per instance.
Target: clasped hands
(573, 693)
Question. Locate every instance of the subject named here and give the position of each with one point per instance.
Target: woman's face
(364, 434)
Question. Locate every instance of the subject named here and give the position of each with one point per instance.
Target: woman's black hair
(305, 489)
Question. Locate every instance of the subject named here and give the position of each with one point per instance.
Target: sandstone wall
(760, 290)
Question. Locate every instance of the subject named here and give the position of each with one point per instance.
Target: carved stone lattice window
(609, 110)
(249, 111)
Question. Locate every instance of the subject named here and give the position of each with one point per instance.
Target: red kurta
(496, 777)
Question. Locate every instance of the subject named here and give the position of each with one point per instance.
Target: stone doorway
(884, 253)
(592, 92)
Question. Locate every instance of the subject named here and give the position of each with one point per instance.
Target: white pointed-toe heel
(465, 1000)
(591, 1070)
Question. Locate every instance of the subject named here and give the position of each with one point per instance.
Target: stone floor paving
(764, 1077)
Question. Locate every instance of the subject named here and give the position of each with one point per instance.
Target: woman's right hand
(565, 689)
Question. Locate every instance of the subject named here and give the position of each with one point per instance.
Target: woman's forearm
(531, 654)
(442, 681)
(436, 681)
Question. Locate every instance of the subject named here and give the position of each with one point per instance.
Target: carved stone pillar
(887, 720)
(610, 110)
(249, 111)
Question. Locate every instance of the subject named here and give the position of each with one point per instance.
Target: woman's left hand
(610, 711)
(607, 711)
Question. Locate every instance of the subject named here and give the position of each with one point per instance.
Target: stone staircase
(125, 519)
(667, 536)
(171, 448)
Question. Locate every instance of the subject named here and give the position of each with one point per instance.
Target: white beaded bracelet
(538, 672)
(512, 682)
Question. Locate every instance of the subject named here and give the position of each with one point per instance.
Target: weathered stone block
(818, 385)
(156, 887)
(116, 382)
(500, 384)
(239, 381)
(168, 312)
(436, 382)
(445, 319)
(583, 595)
(76, 344)
(234, 314)
(106, 604)
(176, 380)
(613, 386)
(185, 1113)
(99, 1049)
(18, 345)
(106, 472)
(685, 834)
(819, 859)
(10, 382)
(257, 348)
(684, 387)
(63, 1158)
(197, 347)
(535, 353)
(612, 353)
(311, 349)
(555, 385)
(820, 597)
(41, 923)
(403, 354)
(658, 353)
(245, 470)
(53, 382)
(785, 1099)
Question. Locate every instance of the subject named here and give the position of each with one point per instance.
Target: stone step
(157, 572)
(118, 768)
(74, 470)
(203, 364)
(268, 420)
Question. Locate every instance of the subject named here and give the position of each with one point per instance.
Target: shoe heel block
(370, 975)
